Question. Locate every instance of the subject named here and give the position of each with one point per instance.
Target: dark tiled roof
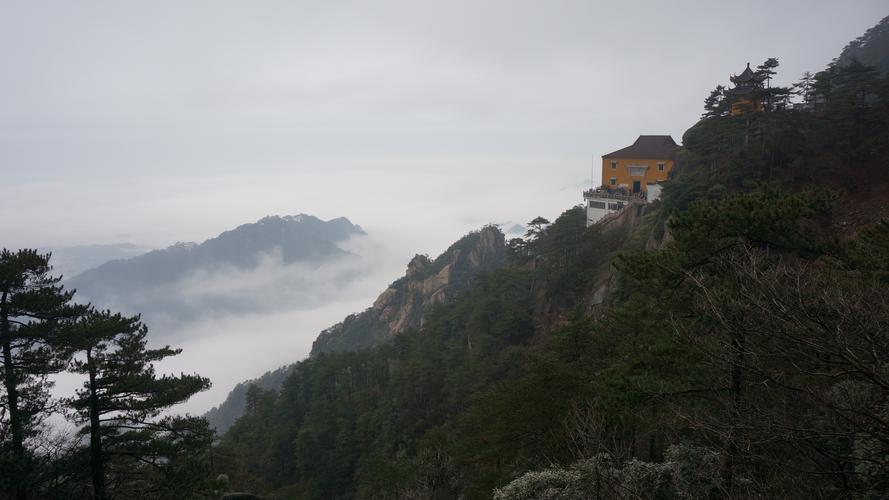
(748, 76)
(648, 147)
(742, 91)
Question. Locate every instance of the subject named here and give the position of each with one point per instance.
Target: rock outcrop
(426, 283)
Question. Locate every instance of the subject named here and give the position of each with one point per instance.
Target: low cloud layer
(230, 348)
(270, 286)
(280, 310)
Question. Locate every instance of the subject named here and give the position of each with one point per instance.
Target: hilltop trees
(803, 88)
(774, 97)
(716, 103)
(32, 305)
(536, 228)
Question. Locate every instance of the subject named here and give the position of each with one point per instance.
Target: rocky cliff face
(403, 305)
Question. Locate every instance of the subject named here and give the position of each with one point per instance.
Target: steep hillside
(871, 48)
(726, 341)
(423, 380)
(223, 416)
(404, 304)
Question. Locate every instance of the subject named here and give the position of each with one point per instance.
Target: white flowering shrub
(689, 472)
(548, 484)
(694, 470)
(644, 480)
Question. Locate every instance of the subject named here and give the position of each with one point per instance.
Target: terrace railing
(613, 195)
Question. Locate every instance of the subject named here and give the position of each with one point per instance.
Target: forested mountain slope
(223, 416)
(871, 48)
(727, 341)
(402, 306)
(386, 401)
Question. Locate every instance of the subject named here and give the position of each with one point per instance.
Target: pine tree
(536, 227)
(122, 398)
(774, 97)
(518, 246)
(803, 87)
(32, 303)
(854, 93)
(715, 104)
(823, 86)
(766, 70)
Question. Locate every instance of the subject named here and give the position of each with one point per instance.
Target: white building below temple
(602, 202)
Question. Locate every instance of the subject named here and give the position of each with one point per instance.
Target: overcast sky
(159, 121)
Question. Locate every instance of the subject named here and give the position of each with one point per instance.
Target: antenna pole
(593, 173)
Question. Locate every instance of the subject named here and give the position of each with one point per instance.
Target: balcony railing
(613, 194)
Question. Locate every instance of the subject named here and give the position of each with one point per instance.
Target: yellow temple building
(647, 161)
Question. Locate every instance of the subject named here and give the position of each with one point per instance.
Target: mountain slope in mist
(871, 48)
(404, 305)
(251, 267)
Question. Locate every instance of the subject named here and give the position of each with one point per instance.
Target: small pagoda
(746, 95)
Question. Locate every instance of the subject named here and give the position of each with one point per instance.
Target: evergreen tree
(803, 87)
(518, 246)
(823, 85)
(536, 227)
(716, 104)
(774, 97)
(766, 70)
(123, 397)
(853, 102)
(32, 303)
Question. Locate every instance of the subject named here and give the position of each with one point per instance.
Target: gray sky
(161, 121)
(173, 120)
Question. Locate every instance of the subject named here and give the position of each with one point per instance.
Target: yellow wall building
(649, 160)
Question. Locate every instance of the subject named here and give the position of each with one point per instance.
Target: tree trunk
(96, 463)
(12, 397)
(735, 388)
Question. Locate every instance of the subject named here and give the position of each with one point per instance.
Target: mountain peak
(183, 245)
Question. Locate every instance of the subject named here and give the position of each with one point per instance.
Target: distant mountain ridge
(300, 238)
(148, 283)
(70, 261)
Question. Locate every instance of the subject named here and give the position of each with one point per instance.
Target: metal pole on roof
(593, 173)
